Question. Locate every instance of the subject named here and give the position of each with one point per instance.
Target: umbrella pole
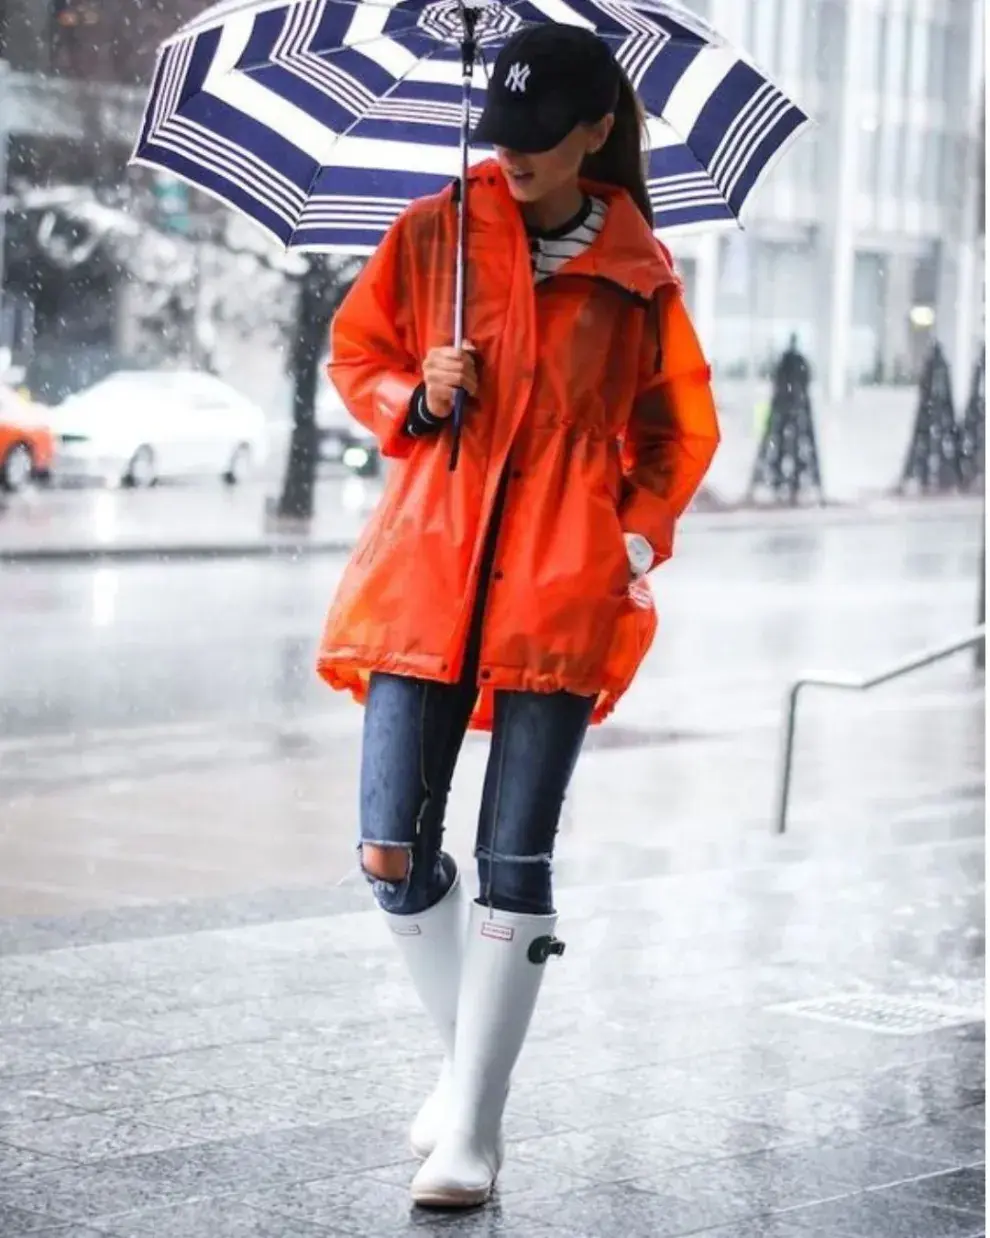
(468, 55)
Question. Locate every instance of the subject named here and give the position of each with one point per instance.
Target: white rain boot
(504, 961)
(431, 944)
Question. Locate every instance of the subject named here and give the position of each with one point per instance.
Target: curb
(728, 519)
(174, 553)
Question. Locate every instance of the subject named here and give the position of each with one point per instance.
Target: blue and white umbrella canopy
(323, 119)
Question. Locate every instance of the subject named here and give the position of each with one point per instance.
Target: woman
(506, 595)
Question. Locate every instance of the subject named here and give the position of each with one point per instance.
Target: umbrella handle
(457, 421)
(469, 52)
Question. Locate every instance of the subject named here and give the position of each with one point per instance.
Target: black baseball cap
(547, 80)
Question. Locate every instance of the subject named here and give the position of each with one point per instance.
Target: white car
(137, 426)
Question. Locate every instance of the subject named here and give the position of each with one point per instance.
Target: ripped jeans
(413, 732)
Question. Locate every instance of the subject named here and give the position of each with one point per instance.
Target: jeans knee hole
(391, 879)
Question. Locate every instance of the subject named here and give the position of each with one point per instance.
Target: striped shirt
(549, 252)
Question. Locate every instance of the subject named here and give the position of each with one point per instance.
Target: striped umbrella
(322, 119)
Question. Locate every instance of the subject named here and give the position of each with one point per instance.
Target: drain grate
(879, 1012)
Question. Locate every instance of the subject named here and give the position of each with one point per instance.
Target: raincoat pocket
(617, 544)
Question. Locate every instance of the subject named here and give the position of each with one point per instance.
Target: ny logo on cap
(517, 77)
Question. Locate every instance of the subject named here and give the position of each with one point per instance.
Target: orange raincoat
(594, 394)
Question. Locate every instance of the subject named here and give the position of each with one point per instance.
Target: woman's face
(531, 178)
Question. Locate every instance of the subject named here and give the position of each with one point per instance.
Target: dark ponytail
(621, 160)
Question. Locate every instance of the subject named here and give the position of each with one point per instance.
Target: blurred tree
(322, 287)
(787, 460)
(933, 463)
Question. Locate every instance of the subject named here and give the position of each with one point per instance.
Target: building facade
(866, 240)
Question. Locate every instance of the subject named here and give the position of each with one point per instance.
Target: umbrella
(322, 119)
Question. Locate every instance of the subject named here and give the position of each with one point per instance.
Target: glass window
(812, 52)
(869, 158)
(957, 51)
(880, 75)
(764, 29)
(736, 272)
(897, 47)
(814, 148)
(933, 172)
(822, 34)
(952, 158)
(892, 142)
(938, 50)
(918, 63)
(751, 31)
(914, 158)
(790, 51)
(868, 289)
(800, 165)
(778, 38)
(701, 7)
(869, 61)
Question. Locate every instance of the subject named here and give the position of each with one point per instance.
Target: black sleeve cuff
(420, 422)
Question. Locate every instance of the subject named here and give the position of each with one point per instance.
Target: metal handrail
(850, 683)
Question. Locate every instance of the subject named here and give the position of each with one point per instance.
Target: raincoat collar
(625, 252)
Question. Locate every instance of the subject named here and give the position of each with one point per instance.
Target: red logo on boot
(501, 932)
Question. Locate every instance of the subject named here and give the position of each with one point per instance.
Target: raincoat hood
(626, 251)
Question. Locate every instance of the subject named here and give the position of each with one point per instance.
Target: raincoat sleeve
(672, 432)
(373, 365)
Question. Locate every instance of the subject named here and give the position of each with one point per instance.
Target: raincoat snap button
(516, 474)
(486, 674)
(500, 575)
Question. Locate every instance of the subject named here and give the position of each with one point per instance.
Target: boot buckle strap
(541, 948)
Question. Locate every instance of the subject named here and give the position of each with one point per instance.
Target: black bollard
(933, 461)
(787, 462)
(981, 606)
(972, 432)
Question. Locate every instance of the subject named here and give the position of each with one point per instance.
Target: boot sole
(450, 1199)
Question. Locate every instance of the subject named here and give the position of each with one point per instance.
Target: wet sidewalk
(175, 521)
(205, 1033)
(209, 521)
(790, 1049)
